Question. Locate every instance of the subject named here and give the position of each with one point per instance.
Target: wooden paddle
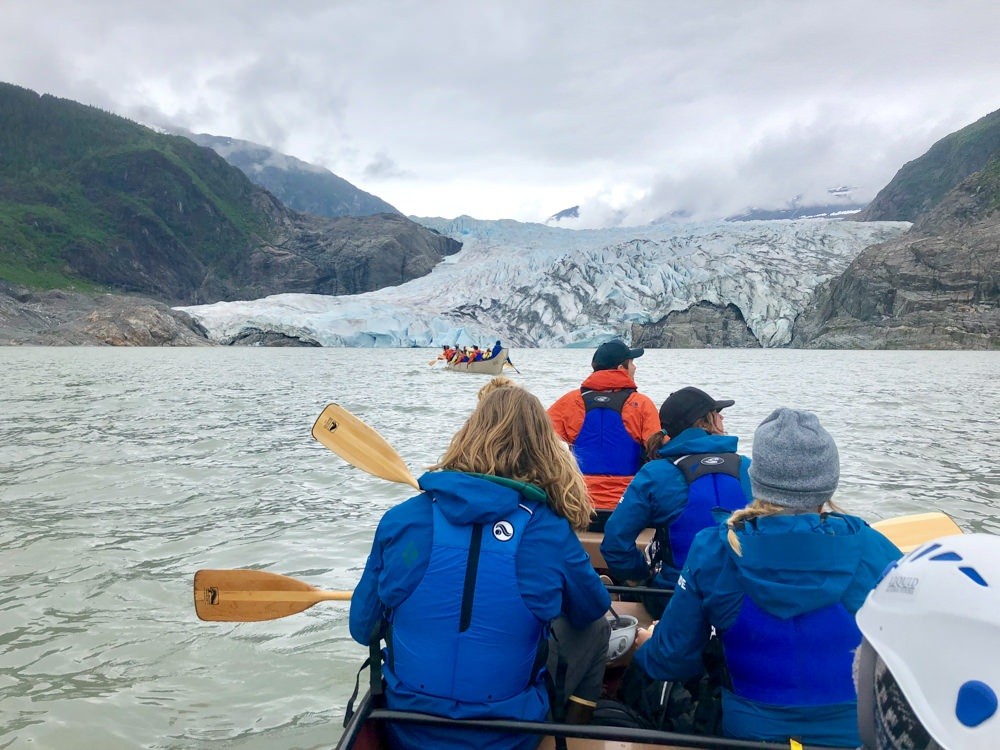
(254, 595)
(360, 445)
(909, 532)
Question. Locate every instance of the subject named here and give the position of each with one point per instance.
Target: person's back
(606, 422)
(475, 651)
(694, 474)
(779, 582)
(927, 671)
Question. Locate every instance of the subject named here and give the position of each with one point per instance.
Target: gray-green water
(122, 472)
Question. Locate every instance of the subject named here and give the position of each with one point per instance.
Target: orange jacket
(639, 415)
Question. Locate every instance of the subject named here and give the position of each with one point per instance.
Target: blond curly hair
(510, 435)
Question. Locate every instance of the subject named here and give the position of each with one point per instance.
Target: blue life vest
(465, 633)
(603, 445)
(713, 482)
(801, 661)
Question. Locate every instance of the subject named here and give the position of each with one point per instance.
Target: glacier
(533, 285)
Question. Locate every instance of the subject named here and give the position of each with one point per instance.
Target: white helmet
(934, 619)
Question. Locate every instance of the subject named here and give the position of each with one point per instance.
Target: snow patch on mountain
(536, 285)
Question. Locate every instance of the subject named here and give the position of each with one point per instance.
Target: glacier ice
(533, 285)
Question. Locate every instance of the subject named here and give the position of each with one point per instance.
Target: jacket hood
(477, 498)
(608, 380)
(797, 563)
(696, 440)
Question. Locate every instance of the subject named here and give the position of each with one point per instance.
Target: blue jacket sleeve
(654, 498)
(878, 553)
(708, 595)
(396, 564)
(674, 652)
(555, 575)
(366, 608)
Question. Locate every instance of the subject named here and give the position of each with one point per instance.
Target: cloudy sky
(632, 109)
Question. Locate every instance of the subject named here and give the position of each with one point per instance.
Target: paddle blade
(360, 445)
(909, 532)
(254, 595)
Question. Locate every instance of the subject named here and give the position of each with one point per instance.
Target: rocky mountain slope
(938, 285)
(94, 202)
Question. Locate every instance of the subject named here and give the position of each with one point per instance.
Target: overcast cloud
(632, 109)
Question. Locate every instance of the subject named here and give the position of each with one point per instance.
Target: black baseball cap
(685, 407)
(612, 353)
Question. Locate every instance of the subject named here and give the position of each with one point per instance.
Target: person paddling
(779, 582)
(463, 580)
(606, 422)
(693, 472)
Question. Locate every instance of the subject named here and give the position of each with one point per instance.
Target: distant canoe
(491, 366)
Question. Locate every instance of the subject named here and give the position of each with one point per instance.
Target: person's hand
(644, 634)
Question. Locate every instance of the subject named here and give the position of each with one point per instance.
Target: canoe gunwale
(368, 714)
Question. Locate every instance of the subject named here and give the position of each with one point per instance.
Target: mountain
(938, 285)
(671, 284)
(935, 287)
(299, 185)
(842, 203)
(94, 202)
(922, 183)
(573, 212)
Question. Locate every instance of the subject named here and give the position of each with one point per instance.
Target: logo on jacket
(503, 531)
(601, 399)
(712, 460)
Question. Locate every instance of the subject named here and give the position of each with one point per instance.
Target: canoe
(491, 366)
(362, 731)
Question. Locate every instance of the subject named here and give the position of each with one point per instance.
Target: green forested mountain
(81, 188)
(298, 184)
(90, 200)
(921, 184)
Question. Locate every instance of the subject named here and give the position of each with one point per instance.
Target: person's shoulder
(568, 396)
(549, 529)
(408, 511)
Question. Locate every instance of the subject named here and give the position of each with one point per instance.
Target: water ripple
(122, 472)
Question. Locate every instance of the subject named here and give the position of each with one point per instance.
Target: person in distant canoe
(497, 348)
(464, 578)
(693, 471)
(477, 355)
(606, 422)
(779, 582)
(927, 673)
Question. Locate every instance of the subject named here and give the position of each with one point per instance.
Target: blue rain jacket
(547, 575)
(784, 612)
(656, 498)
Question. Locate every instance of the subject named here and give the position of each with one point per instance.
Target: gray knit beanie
(795, 461)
